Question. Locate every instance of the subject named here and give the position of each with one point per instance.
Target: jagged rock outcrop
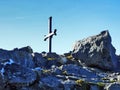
(22, 69)
(15, 75)
(19, 76)
(26, 49)
(16, 67)
(22, 56)
(96, 51)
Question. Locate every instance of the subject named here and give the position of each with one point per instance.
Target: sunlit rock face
(96, 51)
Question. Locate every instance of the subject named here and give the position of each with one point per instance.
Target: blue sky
(25, 22)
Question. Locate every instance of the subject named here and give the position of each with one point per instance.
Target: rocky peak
(96, 51)
(22, 69)
(26, 49)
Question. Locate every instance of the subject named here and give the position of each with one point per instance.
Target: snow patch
(2, 72)
(33, 54)
(37, 69)
(9, 62)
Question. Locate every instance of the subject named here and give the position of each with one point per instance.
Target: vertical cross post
(50, 34)
(50, 31)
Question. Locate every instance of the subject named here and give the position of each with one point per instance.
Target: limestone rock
(118, 57)
(50, 82)
(96, 51)
(39, 60)
(52, 59)
(78, 71)
(20, 56)
(22, 69)
(52, 56)
(26, 49)
(13, 75)
(114, 86)
(2, 84)
(69, 85)
(18, 76)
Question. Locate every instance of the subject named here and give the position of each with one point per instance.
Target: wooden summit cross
(50, 34)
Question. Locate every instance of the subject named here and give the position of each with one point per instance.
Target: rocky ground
(91, 65)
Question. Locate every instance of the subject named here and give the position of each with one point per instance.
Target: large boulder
(96, 51)
(22, 56)
(14, 75)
